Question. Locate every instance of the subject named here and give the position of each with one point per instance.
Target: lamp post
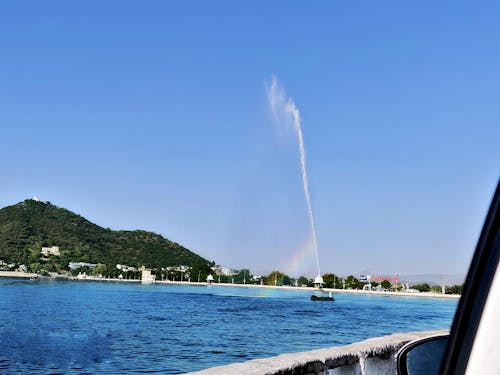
(199, 275)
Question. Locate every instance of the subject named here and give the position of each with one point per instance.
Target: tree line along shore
(199, 274)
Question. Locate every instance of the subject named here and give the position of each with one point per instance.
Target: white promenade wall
(372, 356)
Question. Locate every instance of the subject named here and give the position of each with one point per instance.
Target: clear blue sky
(154, 115)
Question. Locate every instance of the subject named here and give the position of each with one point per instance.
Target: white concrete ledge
(18, 274)
(372, 356)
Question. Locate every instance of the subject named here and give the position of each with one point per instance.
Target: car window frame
(476, 290)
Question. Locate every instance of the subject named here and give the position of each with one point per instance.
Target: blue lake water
(70, 327)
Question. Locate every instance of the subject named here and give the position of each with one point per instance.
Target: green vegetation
(199, 272)
(28, 226)
(436, 289)
(422, 287)
(455, 289)
(277, 278)
(386, 284)
(332, 281)
(352, 282)
(243, 276)
(304, 281)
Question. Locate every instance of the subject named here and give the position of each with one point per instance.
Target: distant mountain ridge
(28, 226)
(430, 278)
(434, 279)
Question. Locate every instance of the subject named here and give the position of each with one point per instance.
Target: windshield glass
(194, 184)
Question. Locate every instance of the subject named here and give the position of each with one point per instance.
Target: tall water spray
(284, 109)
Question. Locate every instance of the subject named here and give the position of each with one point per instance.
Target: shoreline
(312, 289)
(26, 275)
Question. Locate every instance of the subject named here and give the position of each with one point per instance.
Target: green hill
(28, 226)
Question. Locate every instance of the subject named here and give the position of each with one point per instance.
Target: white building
(53, 250)
(318, 282)
(22, 268)
(76, 265)
(179, 268)
(125, 268)
(223, 271)
(146, 277)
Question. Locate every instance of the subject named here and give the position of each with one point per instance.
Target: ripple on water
(118, 328)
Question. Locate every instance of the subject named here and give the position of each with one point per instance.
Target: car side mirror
(422, 356)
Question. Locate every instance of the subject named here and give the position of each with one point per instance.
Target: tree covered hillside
(28, 226)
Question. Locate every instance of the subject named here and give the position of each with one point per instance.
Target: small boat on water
(321, 298)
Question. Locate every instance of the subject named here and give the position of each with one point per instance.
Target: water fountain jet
(284, 108)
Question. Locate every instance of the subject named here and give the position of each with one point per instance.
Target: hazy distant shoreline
(25, 275)
(311, 289)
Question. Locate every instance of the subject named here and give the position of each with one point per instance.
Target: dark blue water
(53, 327)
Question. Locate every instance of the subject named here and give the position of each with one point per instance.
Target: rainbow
(301, 258)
